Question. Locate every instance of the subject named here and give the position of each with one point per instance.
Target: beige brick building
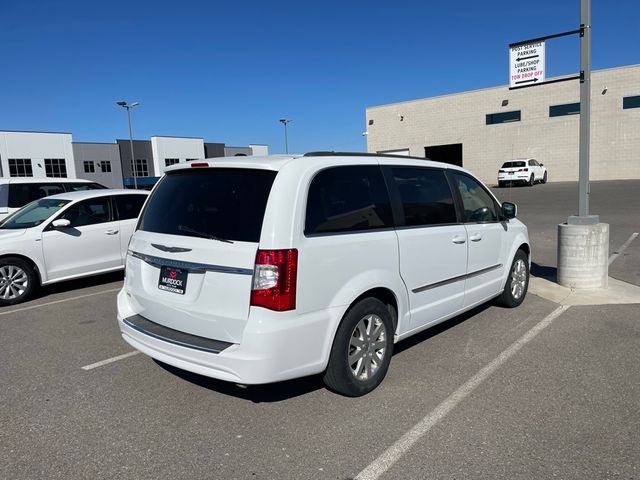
(482, 129)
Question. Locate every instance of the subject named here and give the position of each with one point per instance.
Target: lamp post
(128, 106)
(285, 122)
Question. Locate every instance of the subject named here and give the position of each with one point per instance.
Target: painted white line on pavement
(110, 360)
(31, 307)
(390, 456)
(622, 248)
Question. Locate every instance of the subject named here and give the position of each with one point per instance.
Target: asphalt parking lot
(540, 391)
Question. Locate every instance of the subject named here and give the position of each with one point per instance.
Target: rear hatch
(511, 168)
(190, 263)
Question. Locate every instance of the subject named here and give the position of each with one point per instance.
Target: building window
(191, 159)
(55, 167)
(503, 117)
(89, 167)
(566, 109)
(141, 168)
(105, 166)
(171, 161)
(20, 167)
(631, 102)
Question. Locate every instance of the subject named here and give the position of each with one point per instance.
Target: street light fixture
(285, 122)
(123, 104)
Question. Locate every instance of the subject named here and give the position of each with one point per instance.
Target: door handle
(458, 239)
(475, 238)
(111, 232)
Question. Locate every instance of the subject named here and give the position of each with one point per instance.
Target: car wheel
(17, 281)
(531, 180)
(544, 178)
(517, 282)
(362, 349)
(501, 184)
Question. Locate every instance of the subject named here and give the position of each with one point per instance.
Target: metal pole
(133, 161)
(585, 117)
(286, 140)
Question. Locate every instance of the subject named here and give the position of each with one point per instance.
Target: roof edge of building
(497, 87)
(34, 131)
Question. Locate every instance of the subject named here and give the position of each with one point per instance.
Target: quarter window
(347, 199)
(478, 205)
(55, 167)
(129, 205)
(89, 212)
(425, 195)
(20, 167)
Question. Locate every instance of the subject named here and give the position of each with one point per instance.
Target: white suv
(525, 170)
(257, 270)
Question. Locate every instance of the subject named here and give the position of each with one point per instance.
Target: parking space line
(31, 307)
(390, 456)
(624, 246)
(110, 360)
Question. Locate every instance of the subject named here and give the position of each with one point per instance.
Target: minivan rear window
(227, 203)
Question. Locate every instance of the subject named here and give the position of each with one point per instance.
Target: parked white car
(65, 236)
(15, 193)
(525, 170)
(255, 270)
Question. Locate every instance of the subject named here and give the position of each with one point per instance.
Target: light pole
(124, 104)
(285, 122)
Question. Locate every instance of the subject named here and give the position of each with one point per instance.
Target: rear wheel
(362, 349)
(544, 178)
(502, 184)
(531, 180)
(17, 281)
(517, 282)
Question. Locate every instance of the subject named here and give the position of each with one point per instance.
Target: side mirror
(61, 223)
(542, 164)
(509, 210)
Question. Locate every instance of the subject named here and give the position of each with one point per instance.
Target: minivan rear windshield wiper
(184, 228)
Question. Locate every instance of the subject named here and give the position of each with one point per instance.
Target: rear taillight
(274, 279)
(199, 165)
(501, 171)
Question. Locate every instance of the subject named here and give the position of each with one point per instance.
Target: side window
(22, 193)
(425, 195)
(129, 206)
(478, 205)
(346, 199)
(89, 212)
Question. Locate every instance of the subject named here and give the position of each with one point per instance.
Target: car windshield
(33, 214)
(513, 164)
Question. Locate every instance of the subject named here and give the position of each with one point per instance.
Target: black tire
(17, 281)
(517, 284)
(370, 367)
(532, 180)
(544, 178)
(502, 184)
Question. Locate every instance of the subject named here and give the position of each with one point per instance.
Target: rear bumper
(275, 346)
(515, 178)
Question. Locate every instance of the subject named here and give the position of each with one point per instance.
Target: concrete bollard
(583, 256)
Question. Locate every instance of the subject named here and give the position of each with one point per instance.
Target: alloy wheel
(13, 282)
(518, 278)
(367, 347)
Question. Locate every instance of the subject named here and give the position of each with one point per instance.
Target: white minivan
(260, 269)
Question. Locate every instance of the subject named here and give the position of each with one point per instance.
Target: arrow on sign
(519, 59)
(527, 81)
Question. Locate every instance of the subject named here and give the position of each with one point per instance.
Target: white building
(482, 129)
(168, 151)
(36, 154)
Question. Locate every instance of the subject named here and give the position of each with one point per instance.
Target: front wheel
(362, 349)
(17, 281)
(517, 282)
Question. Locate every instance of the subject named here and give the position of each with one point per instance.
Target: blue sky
(226, 71)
